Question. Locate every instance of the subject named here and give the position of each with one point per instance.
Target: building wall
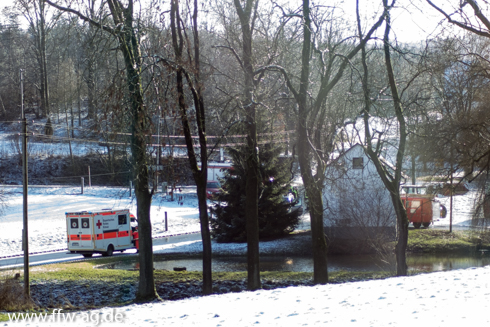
(356, 203)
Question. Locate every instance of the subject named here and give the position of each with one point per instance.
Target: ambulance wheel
(417, 225)
(426, 225)
(87, 255)
(110, 251)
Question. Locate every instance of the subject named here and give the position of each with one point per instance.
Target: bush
(276, 216)
(12, 297)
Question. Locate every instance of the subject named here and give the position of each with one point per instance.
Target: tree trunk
(146, 288)
(207, 277)
(252, 161)
(313, 191)
(129, 45)
(402, 220)
(401, 235)
(91, 91)
(43, 62)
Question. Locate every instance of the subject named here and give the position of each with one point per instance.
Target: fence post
(89, 178)
(166, 222)
(130, 188)
(82, 183)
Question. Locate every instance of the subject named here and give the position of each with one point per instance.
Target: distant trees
(469, 121)
(13, 57)
(41, 23)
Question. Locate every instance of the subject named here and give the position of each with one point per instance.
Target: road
(65, 256)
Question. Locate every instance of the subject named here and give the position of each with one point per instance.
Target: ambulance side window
(74, 223)
(85, 223)
(123, 219)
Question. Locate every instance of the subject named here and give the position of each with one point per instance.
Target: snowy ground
(436, 299)
(453, 298)
(47, 207)
(47, 224)
(462, 209)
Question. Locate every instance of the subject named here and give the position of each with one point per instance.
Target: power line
(107, 142)
(92, 175)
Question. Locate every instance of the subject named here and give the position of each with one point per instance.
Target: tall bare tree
(126, 33)
(247, 13)
(316, 131)
(391, 179)
(188, 67)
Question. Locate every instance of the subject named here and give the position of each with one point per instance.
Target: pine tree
(276, 216)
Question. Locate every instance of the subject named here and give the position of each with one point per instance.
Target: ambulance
(101, 232)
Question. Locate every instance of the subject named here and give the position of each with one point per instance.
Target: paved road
(64, 256)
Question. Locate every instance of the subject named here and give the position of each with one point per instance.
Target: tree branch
(82, 17)
(478, 13)
(232, 51)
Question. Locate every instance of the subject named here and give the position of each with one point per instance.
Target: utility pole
(158, 149)
(451, 181)
(158, 153)
(25, 234)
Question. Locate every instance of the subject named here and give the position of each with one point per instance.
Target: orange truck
(419, 205)
(101, 232)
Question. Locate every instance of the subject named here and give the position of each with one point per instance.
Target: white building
(356, 203)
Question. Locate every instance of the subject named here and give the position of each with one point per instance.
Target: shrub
(12, 296)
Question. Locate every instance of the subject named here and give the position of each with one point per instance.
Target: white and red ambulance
(101, 232)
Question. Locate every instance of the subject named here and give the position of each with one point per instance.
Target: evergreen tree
(276, 215)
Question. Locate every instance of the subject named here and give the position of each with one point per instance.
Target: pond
(415, 262)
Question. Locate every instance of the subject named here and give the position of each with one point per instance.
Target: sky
(411, 24)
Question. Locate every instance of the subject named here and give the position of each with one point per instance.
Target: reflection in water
(417, 262)
(426, 262)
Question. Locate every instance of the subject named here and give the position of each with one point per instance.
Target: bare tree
(471, 17)
(247, 15)
(397, 92)
(316, 131)
(127, 35)
(192, 74)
